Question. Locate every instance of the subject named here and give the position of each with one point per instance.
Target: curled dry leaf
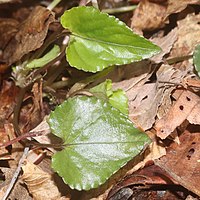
(186, 107)
(178, 5)
(165, 43)
(30, 36)
(8, 28)
(145, 178)
(39, 183)
(182, 161)
(148, 15)
(151, 15)
(188, 36)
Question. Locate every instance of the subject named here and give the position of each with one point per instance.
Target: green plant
(98, 138)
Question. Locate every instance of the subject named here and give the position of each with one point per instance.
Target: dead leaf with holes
(145, 100)
(30, 36)
(39, 183)
(185, 107)
(182, 161)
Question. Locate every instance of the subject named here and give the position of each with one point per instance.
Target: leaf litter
(163, 97)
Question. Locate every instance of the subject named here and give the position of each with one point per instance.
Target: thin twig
(119, 10)
(17, 111)
(16, 174)
(22, 137)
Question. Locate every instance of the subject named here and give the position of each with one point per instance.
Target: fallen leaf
(165, 43)
(188, 36)
(30, 36)
(145, 178)
(39, 183)
(186, 105)
(7, 101)
(153, 152)
(8, 28)
(145, 100)
(18, 192)
(178, 6)
(132, 75)
(152, 15)
(182, 161)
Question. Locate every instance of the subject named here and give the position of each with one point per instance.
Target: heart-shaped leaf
(99, 140)
(99, 40)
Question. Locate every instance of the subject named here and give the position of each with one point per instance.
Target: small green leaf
(99, 140)
(40, 62)
(99, 40)
(117, 98)
(196, 58)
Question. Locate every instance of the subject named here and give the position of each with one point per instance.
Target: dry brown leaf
(165, 43)
(149, 176)
(148, 15)
(145, 100)
(8, 95)
(39, 183)
(154, 151)
(8, 28)
(19, 192)
(151, 15)
(178, 5)
(182, 162)
(188, 36)
(186, 105)
(30, 36)
(132, 75)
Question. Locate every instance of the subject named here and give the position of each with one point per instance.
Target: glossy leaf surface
(99, 40)
(99, 140)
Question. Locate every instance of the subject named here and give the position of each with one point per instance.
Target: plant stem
(53, 4)
(119, 10)
(173, 60)
(17, 111)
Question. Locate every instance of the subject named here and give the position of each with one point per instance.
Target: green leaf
(196, 59)
(99, 40)
(117, 98)
(99, 140)
(40, 62)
